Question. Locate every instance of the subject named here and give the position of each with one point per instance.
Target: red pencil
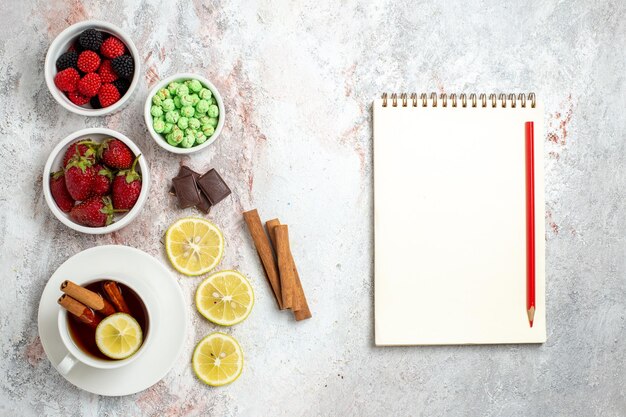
(530, 222)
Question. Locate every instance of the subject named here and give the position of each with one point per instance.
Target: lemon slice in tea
(194, 246)
(225, 298)
(119, 336)
(217, 359)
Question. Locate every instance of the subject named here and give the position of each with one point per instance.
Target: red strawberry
(115, 154)
(84, 148)
(79, 176)
(108, 95)
(89, 85)
(107, 75)
(126, 188)
(88, 61)
(112, 47)
(59, 192)
(67, 80)
(77, 98)
(102, 181)
(94, 212)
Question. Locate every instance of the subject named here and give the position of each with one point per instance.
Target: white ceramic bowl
(160, 139)
(60, 45)
(55, 160)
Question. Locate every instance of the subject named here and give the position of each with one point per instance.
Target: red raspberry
(88, 61)
(112, 47)
(77, 98)
(108, 95)
(89, 84)
(67, 80)
(107, 75)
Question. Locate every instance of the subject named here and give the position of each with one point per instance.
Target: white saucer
(168, 325)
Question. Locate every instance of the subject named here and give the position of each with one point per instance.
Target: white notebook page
(450, 225)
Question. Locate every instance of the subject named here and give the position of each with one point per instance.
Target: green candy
(194, 99)
(213, 111)
(172, 87)
(200, 138)
(183, 122)
(208, 130)
(204, 94)
(177, 136)
(186, 100)
(194, 123)
(188, 141)
(212, 121)
(182, 90)
(167, 128)
(156, 111)
(158, 125)
(172, 116)
(187, 111)
(195, 86)
(156, 100)
(212, 100)
(202, 106)
(168, 105)
(204, 120)
(177, 102)
(163, 93)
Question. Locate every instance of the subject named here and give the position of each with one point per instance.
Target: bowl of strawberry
(96, 181)
(92, 68)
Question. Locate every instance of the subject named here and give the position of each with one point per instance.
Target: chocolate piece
(184, 170)
(186, 191)
(204, 204)
(213, 186)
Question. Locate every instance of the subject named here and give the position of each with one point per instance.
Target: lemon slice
(225, 298)
(194, 246)
(119, 336)
(217, 360)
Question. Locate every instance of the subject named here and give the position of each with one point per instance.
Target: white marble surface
(298, 78)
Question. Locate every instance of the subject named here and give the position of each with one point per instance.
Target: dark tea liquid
(85, 337)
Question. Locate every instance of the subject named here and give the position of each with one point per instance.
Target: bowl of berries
(96, 181)
(92, 68)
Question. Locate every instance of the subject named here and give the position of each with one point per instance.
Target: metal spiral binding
(483, 100)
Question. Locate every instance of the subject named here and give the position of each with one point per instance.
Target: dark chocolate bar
(204, 204)
(186, 191)
(213, 186)
(184, 170)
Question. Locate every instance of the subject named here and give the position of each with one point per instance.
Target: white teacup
(76, 355)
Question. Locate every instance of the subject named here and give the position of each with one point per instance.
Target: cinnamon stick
(81, 311)
(300, 306)
(264, 249)
(285, 267)
(88, 298)
(115, 295)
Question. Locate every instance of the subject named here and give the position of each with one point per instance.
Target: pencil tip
(531, 315)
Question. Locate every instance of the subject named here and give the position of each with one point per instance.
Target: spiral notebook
(450, 219)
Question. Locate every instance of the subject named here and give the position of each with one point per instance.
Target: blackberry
(95, 102)
(67, 60)
(91, 39)
(122, 85)
(124, 66)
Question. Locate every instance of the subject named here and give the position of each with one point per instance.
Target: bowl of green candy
(184, 113)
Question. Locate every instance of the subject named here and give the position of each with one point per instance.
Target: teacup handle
(67, 364)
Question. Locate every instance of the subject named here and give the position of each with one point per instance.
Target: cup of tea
(118, 307)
